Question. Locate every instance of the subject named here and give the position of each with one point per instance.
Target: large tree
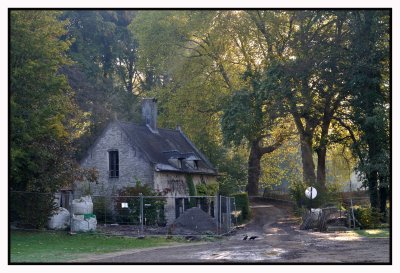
(308, 77)
(209, 56)
(368, 121)
(104, 75)
(272, 64)
(44, 117)
(251, 119)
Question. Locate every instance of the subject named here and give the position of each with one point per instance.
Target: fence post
(226, 214)
(105, 209)
(230, 214)
(141, 213)
(70, 198)
(220, 212)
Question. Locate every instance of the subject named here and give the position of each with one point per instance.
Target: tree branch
(353, 137)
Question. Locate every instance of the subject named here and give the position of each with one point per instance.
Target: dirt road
(278, 241)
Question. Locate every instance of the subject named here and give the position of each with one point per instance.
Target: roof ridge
(143, 125)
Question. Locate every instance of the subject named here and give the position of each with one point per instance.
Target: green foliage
(153, 207)
(186, 49)
(296, 192)
(210, 189)
(233, 170)
(333, 191)
(225, 76)
(191, 189)
(370, 88)
(31, 210)
(242, 119)
(282, 167)
(367, 217)
(102, 208)
(43, 115)
(104, 76)
(242, 204)
(190, 184)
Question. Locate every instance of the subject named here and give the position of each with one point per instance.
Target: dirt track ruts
(279, 241)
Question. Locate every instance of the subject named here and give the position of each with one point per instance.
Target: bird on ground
(245, 237)
(253, 238)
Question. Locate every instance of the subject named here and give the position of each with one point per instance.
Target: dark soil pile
(194, 221)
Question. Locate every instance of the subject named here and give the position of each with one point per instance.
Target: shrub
(32, 209)
(367, 217)
(207, 189)
(102, 208)
(204, 189)
(296, 192)
(153, 207)
(333, 192)
(242, 204)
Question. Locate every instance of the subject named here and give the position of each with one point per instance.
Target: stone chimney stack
(149, 113)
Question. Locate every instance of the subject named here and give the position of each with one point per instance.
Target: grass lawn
(49, 246)
(374, 233)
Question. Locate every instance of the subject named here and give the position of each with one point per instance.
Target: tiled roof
(165, 146)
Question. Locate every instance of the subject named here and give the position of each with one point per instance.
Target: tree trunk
(307, 160)
(373, 189)
(254, 169)
(383, 194)
(373, 151)
(321, 169)
(321, 152)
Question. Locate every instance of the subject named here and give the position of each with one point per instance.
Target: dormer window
(182, 160)
(193, 164)
(176, 162)
(180, 163)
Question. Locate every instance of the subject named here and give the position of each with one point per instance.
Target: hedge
(242, 204)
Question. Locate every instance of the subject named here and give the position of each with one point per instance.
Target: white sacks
(59, 220)
(82, 218)
(80, 224)
(315, 214)
(83, 205)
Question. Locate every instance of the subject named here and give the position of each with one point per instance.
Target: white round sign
(311, 193)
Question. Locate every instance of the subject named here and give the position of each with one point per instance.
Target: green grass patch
(374, 233)
(46, 247)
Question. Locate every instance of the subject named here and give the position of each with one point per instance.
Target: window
(113, 165)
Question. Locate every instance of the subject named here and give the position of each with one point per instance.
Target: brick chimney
(149, 113)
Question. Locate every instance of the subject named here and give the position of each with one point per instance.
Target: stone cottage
(163, 158)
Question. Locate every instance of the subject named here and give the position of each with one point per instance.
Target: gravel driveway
(278, 241)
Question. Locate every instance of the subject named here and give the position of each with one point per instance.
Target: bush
(367, 217)
(153, 208)
(32, 209)
(102, 208)
(242, 204)
(207, 189)
(296, 192)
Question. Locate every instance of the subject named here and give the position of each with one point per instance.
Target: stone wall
(133, 166)
(176, 186)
